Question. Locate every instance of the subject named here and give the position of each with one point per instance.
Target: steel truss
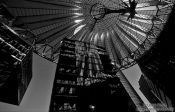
(125, 40)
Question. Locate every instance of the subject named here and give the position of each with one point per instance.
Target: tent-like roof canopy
(105, 23)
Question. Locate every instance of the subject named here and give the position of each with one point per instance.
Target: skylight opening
(78, 14)
(96, 38)
(75, 9)
(77, 1)
(147, 8)
(108, 34)
(77, 6)
(143, 5)
(78, 20)
(79, 28)
(102, 37)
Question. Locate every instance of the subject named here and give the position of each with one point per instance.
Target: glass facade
(155, 95)
(15, 65)
(83, 83)
(158, 64)
(90, 40)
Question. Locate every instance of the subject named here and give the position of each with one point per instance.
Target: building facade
(155, 95)
(158, 64)
(15, 62)
(84, 81)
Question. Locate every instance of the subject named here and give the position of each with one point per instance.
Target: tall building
(78, 62)
(155, 95)
(158, 64)
(15, 62)
(139, 104)
(83, 83)
(126, 29)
